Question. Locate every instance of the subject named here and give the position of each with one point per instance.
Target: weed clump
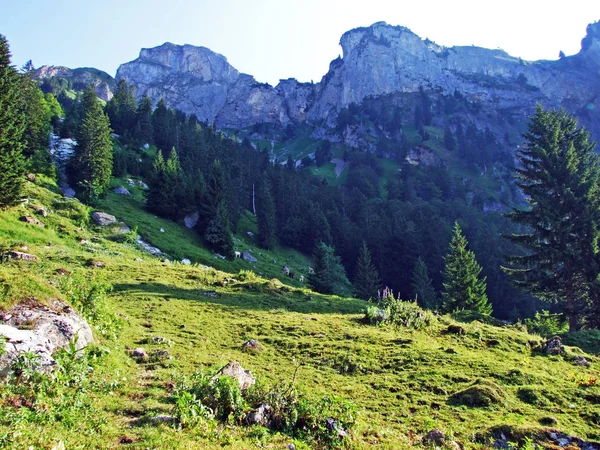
(393, 310)
(482, 393)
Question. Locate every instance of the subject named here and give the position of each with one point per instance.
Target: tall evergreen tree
(329, 276)
(12, 126)
(218, 232)
(122, 108)
(423, 287)
(94, 158)
(366, 279)
(463, 289)
(559, 174)
(265, 216)
(144, 129)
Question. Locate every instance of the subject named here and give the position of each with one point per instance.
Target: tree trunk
(571, 307)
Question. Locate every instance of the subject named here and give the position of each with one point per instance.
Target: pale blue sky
(274, 39)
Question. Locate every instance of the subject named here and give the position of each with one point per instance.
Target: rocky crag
(377, 60)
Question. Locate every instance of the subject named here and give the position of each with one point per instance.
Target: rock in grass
(120, 190)
(581, 361)
(103, 219)
(548, 421)
(235, 370)
(260, 416)
(139, 353)
(481, 393)
(455, 329)
(22, 256)
(553, 346)
(435, 437)
(31, 221)
(251, 346)
(247, 256)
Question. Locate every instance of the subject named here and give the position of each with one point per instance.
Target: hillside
(478, 386)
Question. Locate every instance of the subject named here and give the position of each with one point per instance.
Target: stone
(120, 190)
(434, 437)
(235, 370)
(251, 345)
(31, 177)
(186, 261)
(191, 220)
(247, 256)
(333, 425)
(161, 354)
(581, 361)
(103, 219)
(455, 329)
(260, 416)
(52, 328)
(162, 418)
(139, 353)
(42, 211)
(97, 264)
(161, 229)
(155, 251)
(553, 346)
(548, 421)
(31, 221)
(21, 256)
(251, 234)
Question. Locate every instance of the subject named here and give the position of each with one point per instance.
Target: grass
(404, 382)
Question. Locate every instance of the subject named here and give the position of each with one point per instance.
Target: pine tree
(366, 279)
(12, 126)
(218, 232)
(422, 286)
(559, 174)
(122, 108)
(329, 274)
(463, 289)
(265, 216)
(94, 158)
(144, 129)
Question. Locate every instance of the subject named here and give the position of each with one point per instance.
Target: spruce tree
(366, 279)
(560, 177)
(144, 129)
(265, 216)
(329, 276)
(422, 287)
(12, 126)
(218, 232)
(94, 158)
(157, 200)
(463, 288)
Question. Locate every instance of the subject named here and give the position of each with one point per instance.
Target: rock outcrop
(41, 330)
(377, 60)
(81, 77)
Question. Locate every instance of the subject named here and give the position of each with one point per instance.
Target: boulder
(252, 345)
(260, 416)
(191, 220)
(22, 256)
(31, 221)
(581, 361)
(139, 353)
(121, 191)
(42, 211)
(103, 219)
(186, 261)
(235, 370)
(553, 346)
(51, 328)
(434, 437)
(161, 229)
(248, 256)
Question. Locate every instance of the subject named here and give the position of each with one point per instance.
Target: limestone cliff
(78, 78)
(377, 60)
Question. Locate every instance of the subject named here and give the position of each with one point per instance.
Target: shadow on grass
(270, 300)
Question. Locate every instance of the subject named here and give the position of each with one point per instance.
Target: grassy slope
(401, 382)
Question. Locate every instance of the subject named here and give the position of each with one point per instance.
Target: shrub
(88, 294)
(390, 309)
(546, 324)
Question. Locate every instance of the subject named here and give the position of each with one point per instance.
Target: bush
(546, 324)
(88, 294)
(398, 312)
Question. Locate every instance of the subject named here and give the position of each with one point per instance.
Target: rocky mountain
(76, 79)
(377, 60)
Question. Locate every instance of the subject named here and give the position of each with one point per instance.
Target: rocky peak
(102, 81)
(380, 33)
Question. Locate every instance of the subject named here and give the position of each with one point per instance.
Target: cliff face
(377, 60)
(103, 82)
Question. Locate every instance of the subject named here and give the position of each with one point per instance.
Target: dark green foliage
(560, 177)
(449, 140)
(546, 324)
(463, 289)
(218, 233)
(38, 115)
(144, 130)
(366, 279)
(329, 276)
(93, 159)
(422, 287)
(12, 126)
(122, 109)
(265, 216)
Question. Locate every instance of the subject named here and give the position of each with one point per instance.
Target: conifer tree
(218, 232)
(422, 287)
(122, 108)
(463, 289)
(144, 129)
(366, 279)
(157, 199)
(94, 158)
(12, 126)
(265, 216)
(329, 273)
(559, 174)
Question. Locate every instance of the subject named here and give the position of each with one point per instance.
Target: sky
(279, 39)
